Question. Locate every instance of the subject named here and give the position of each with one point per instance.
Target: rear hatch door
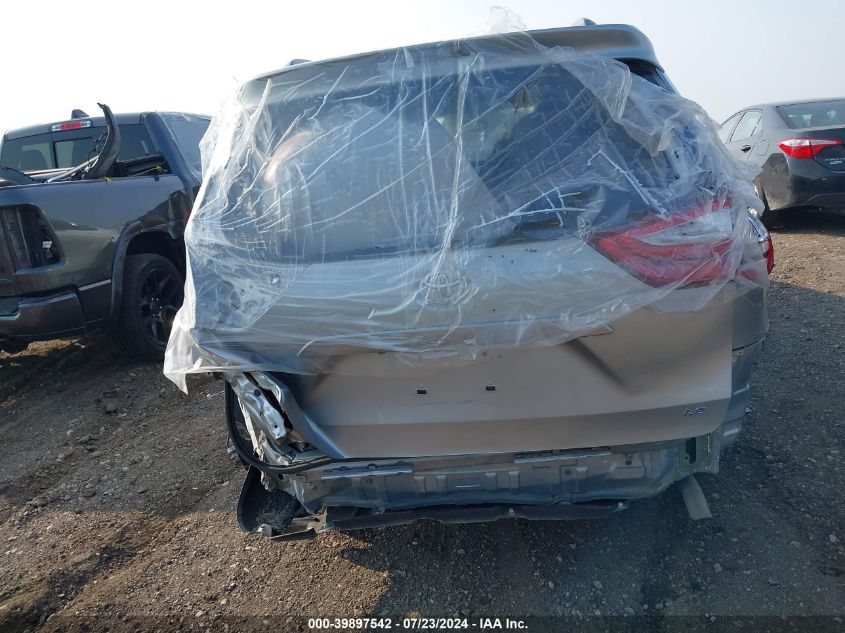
(650, 376)
(409, 262)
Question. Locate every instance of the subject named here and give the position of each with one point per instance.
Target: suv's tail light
(806, 147)
(769, 251)
(688, 248)
(764, 239)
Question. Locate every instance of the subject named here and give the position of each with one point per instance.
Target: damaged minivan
(507, 276)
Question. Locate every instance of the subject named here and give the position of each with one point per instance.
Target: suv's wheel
(153, 290)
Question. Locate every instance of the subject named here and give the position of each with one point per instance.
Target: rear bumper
(827, 200)
(40, 318)
(555, 485)
(565, 463)
(406, 487)
(807, 193)
(813, 185)
(547, 478)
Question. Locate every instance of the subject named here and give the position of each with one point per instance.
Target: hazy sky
(185, 55)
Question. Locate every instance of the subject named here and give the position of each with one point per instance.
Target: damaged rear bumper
(279, 516)
(297, 495)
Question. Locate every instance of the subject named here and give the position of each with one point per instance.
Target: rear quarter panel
(774, 177)
(89, 218)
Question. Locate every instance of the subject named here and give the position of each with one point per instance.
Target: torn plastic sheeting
(442, 200)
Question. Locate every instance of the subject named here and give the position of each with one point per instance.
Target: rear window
(29, 153)
(63, 150)
(492, 142)
(650, 73)
(135, 142)
(816, 114)
(188, 131)
(72, 152)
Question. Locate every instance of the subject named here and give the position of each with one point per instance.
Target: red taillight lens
(770, 255)
(806, 147)
(689, 248)
(763, 239)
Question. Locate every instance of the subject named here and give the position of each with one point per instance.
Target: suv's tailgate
(656, 376)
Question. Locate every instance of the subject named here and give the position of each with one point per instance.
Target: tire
(153, 291)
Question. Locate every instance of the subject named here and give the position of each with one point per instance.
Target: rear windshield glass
(650, 73)
(63, 150)
(816, 114)
(515, 137)
(72, 152)
(29, 153)
(135, 142)
(188, 131)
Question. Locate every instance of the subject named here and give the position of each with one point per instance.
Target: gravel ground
(117, 507)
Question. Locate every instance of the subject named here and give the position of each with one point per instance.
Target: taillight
(806, 147)
(689, 248)
(770, 254)
(764, 239)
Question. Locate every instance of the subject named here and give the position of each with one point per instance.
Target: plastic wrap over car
(434, 203)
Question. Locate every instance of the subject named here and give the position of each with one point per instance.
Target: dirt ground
(117, 506)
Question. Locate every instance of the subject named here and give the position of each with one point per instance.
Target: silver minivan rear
(511, 276)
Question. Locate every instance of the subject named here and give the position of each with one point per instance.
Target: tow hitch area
(280, 517)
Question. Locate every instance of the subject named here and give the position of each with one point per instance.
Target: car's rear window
(29, 153)
(815, 114)
(187, 131)
(72, 152)
(502, 144)
(135, 142)
(69, 149)
(650, 73)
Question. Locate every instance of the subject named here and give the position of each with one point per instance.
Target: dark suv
(92, 213)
